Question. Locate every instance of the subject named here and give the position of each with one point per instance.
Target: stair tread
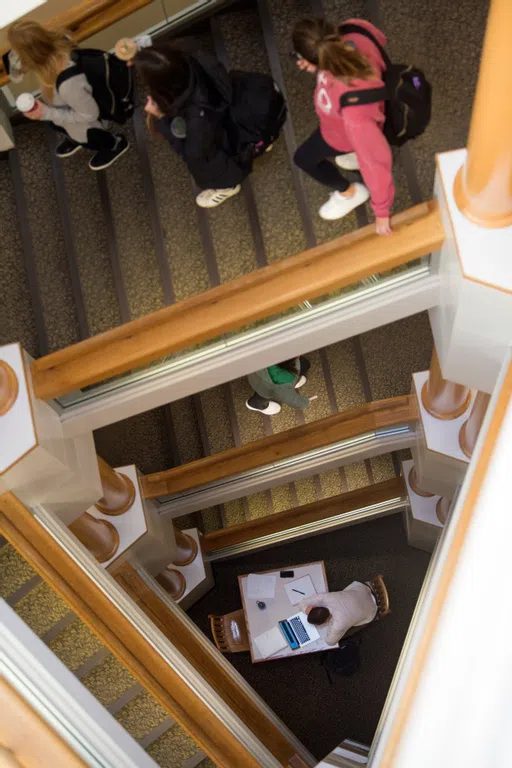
(141, 715)
(173, 748)
(91, 243)
(133, 231)
(75, 645)
(48, 242)
(17, 321)
(41, 608)
(14, 571)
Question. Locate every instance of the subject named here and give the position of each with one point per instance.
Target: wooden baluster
(442, 509)
(118, 490)
(100, 537)
(186, 549)
(470, 429)
(483, 186)
(413, 482)
(173, 582)
(441, 398)
(8, 387)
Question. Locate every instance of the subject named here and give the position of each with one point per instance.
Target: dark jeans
(311, 157)
(97, 138)
(260, 403)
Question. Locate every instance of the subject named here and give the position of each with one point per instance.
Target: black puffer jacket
(202, 111)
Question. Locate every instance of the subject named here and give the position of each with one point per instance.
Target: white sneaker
(211, 198)
(348, 162)
(300, 382)
(271, 409)
(338, 206)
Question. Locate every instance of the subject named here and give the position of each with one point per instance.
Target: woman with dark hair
(352, 135)
(279, 384)
(189, 97)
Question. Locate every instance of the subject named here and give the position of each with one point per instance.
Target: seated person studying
(352, 607)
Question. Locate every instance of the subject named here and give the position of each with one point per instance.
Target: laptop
(297, 632)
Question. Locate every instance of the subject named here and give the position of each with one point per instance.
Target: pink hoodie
(359, 129)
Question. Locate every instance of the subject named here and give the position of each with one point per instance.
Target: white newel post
(103, 507)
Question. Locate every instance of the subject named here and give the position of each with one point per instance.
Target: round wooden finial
(186, 549)
(415, 487)
(8, 387)
(173, 582)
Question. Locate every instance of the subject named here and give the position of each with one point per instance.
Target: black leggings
(311, 157)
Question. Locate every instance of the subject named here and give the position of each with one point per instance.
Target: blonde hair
(42, 51)
(319, 42)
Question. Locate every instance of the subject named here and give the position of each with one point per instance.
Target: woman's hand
(305, 66)
(37, 113)
(152, 108)
(383, 226)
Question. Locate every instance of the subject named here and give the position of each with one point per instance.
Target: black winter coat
(208, 148)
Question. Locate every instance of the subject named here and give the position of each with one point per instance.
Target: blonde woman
(66, 99)
(353, 136)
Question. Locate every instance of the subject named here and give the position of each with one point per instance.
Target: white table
(279, 607)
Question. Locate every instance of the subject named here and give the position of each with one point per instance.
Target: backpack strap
(69, 72)
(363, 96)
(355, 29)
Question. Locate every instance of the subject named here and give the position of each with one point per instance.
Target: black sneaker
(67, 148)
(106, 157)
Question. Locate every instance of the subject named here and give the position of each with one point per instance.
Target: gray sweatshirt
(73, 106)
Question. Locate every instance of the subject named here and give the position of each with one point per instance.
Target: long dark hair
(319, 42)
(165, 72)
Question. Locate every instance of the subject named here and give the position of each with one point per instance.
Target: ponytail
(319, 42)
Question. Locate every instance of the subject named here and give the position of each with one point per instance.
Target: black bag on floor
(345, 660)
(258, 110)
(407, 93)
(111, 81)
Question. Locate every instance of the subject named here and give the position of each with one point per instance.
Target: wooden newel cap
(186, 549)
(173, 582)
(118, 491)
(100, 537)
(8, 387)
(413, 482)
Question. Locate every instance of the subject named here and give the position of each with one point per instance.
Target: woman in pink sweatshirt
(353, 135)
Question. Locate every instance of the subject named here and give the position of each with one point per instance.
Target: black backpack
(258, 111)
(111, 81)
(407, 93)
(344, 660)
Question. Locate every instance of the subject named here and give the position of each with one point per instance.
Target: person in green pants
(279, 384)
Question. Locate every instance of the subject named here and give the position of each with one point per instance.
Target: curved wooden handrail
(308, 513)
(292, 442)
(94, 607)
(261, 294)
(86, 19)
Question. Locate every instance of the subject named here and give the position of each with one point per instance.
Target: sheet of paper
(299, 589)
(270, 642)
(261, 585)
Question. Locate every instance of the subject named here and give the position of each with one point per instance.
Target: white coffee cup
(26, 102)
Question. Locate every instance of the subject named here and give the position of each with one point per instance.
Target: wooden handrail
(308, 513)
(263, 293)
(292, 442)
(86, 19)
(205, 660)
(27, 739)
(88, 601)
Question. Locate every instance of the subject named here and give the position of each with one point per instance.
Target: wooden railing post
(471, 428)
(173, 582)
(442, 509)
(118, 490)
(99, 536)
(441, 398)
(483, 186)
